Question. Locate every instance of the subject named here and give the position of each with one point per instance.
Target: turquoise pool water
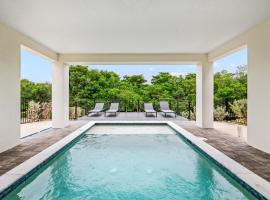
(130, 167)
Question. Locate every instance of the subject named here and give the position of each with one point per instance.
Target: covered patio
(128, 33)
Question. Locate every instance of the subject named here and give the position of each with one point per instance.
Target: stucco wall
(257, 40)
(259, 87)
(10, 44)
(9, 89)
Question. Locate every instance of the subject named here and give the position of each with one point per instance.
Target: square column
(60, 95)
(204, 95)
(258, 128)
(9, 90)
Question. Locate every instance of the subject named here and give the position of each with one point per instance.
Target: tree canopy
(88, 85)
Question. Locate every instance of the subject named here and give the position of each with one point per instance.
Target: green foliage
(137, 81)
(88, 86)
(189, 114)
(239, 107)
(229, 87)
(38, 92)
(220, 113)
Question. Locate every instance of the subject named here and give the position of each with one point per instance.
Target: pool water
(127, 166)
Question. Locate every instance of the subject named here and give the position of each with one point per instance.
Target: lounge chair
(113, 109)
(148, 108)
(164, 107)
(99, 107)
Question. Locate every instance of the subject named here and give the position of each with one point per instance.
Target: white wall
(259, 87)
(257, 40)
(9, 89)
(10, 44)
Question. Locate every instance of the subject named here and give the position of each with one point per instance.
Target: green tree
(88, 86)
(26, 89)
(38, 92)
(137, 81)
(42, 92)
(229, 87)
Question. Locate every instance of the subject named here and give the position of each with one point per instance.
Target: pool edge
(248, 179)
(15, 176)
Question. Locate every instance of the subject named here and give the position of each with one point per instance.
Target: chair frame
(150, 110)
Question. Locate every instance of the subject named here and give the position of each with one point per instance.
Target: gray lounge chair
(99, 107)
(148, 108)
(113, 109)
(164, 107)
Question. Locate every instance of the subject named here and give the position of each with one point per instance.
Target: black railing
(34, 112)
(179, 106)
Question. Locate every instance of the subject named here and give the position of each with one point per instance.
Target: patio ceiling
(133, 26)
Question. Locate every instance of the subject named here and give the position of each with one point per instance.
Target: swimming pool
(139, 161)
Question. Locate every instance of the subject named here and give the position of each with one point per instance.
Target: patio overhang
(145, 45)
(129, 58)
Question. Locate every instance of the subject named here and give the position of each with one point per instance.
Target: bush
(33, 111)
(239, 108)
(220, 113)
(192, 114)
(46, 109)
(80, 112)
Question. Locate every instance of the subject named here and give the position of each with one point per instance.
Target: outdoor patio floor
(236, 148)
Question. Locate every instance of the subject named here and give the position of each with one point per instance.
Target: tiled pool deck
(251, 158)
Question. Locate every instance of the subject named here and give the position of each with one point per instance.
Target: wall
(257, 40)
(9, 89)
(10, 44)
(259, 87)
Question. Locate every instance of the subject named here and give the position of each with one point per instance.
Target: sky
(38, 69)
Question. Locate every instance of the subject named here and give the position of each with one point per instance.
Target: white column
(204, 95)
(258, 129)
(9, 90)
(60, 95)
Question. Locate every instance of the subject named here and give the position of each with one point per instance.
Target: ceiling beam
(132, 58)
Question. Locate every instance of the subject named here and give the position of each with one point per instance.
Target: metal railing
(178, 105)
(34, 112)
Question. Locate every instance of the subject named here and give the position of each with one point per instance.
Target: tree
(42, 92)
(229, 87)
(38, 92)
(136, 81)
(26, 89)
(88, 86)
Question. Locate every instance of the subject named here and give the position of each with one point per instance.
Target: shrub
(33, 111)
(239, 108)
(220, 113)
(80, 112)
(192, 114)
(72, 113)
(46, 109)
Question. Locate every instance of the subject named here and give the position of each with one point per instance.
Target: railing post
(177, 106)
(76, 116)
(189, 114)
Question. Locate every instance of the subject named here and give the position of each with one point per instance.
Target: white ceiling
(133, 26)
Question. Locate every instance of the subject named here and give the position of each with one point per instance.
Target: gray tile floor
(253, 159)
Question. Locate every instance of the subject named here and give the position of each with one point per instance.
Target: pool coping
(246, 177)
